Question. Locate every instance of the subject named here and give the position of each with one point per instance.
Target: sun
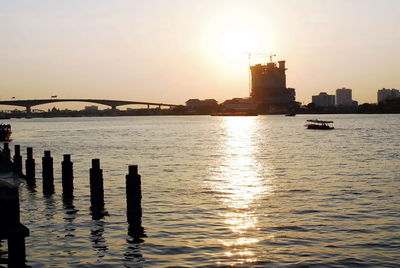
(235, 44)
(227, 38)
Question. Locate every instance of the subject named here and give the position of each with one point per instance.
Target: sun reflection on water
(241, 182)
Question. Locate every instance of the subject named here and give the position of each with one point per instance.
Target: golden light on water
(241, 184)
(240, 241)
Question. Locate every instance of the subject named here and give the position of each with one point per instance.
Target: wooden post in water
(10, 226)
(17, 159)
(134, 204)
(30, 168)
(47, 173)
(67, 176)
(6, 151)
(133, 193)
(96, 190)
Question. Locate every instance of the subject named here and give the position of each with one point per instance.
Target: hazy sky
(173, 50)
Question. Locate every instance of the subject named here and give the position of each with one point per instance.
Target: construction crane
(249, 58)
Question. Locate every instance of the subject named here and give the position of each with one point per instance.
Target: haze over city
(171, 51)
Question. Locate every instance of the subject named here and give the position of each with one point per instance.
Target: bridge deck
(113, 103)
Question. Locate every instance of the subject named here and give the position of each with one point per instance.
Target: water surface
(241, 191)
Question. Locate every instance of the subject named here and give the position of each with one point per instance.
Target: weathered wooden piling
(134, 204)
(96, 190)
(10, 226)
(6, 151)
(47, 173)
(17, 159)
(67, 176)
(133, 193)
(30, 167)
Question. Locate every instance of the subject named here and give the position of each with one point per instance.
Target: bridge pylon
(113, 110)
(28, 112)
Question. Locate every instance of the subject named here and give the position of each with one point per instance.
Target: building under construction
(268, 87)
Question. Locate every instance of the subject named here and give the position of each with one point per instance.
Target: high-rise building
(268, 85)
(343, 97)
(385, 93)
(323, 100)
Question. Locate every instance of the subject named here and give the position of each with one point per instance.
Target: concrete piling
(67, 176)
(96, 190)
(47, 173)
(17, 159)
(30, 168)
(134, 204)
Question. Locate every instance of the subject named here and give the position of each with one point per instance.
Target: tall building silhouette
(344, 97)
(323, 100)
(385, 94)
(268, 86)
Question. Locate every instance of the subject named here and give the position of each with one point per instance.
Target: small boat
(5, 132)
(319, 124)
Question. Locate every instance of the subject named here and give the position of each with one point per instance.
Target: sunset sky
(173, 50)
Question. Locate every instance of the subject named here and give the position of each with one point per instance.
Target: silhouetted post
(10, 226)
(16, 251)
(30, 167)
(133, 202)
(67, 176)
(9, 209)
(47, 173)
(17, 159)
(6, 151)
(133, 193)
(96, 190)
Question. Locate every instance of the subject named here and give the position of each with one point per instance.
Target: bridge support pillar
(148, 106)
(113, 110)
(28, 112)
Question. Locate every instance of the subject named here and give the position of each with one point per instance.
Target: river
(219, 191)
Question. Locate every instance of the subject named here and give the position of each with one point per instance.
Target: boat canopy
(319, 121)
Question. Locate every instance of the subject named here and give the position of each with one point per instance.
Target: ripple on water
(261, 192)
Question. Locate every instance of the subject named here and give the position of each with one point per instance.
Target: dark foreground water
(220, 191)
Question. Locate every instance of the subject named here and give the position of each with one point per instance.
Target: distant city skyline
(172, 51)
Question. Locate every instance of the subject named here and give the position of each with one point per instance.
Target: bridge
(28, 104)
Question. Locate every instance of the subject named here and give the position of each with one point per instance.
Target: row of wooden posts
(133, 187)
(133, 179)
